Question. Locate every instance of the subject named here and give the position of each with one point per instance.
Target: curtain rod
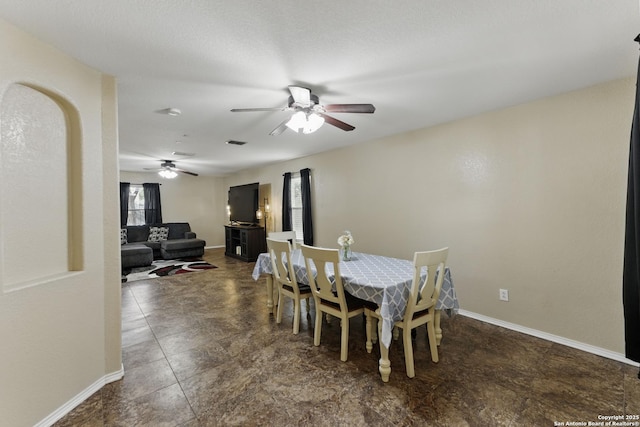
(133, 183)
(310, 169)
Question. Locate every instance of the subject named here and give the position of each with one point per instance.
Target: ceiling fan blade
(243, 110)
(337, 123)
(301, 95)
(281, 127)
(350, 108)
(186, 172)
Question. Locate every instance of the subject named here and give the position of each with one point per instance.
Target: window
(136, 205)
(296, 206)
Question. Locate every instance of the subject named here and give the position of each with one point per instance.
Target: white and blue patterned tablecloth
(383, 280)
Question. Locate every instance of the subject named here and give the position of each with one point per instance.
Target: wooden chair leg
(344, 343)
(318, 329)
(279, 311)
(433, 341)
(296, 316)
(408, 352)
(374, 330)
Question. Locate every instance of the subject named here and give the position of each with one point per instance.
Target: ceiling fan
(308, 114)
(169, 170)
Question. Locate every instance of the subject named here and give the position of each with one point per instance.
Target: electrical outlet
(504, 295)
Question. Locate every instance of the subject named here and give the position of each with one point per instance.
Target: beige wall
(59, 337)
(200, 201)
(111, 207)
(530, 199)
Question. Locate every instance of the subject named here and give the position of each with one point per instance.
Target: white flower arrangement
(346, 239)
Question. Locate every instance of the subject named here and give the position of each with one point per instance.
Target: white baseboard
(550, 337)
(81, 397)
(214, 247)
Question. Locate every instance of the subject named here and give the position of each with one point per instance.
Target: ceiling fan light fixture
(167, 173)
(297, 121)
(309, 123)
(314, 122)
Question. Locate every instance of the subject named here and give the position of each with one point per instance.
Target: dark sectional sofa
(140, 246)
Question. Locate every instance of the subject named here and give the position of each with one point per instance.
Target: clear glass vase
(346, 253)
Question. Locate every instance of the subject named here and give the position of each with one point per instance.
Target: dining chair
(330, 299)
(285, 235)
(421, 304)
(285, 278)
(289, 236)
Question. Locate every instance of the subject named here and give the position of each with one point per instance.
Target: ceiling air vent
(232, 142)
(183, 154)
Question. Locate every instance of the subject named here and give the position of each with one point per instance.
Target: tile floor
(200, 349)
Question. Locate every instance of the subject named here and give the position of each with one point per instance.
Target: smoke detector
(170, 111)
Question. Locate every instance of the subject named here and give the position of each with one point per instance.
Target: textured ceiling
(420, 62)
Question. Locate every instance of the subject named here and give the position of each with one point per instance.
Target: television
(243, 204)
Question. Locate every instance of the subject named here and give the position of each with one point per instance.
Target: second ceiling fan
(308, 114)
(169, 170)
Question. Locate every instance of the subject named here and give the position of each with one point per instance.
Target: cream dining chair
(285, 235)
(289, 236)
(421, 305)
(328, 300)
(285, 278)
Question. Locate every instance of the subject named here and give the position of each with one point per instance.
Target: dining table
(383, 280)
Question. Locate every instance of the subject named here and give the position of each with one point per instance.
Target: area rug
(162, 268)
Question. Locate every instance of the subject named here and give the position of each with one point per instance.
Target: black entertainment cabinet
(244, 242)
